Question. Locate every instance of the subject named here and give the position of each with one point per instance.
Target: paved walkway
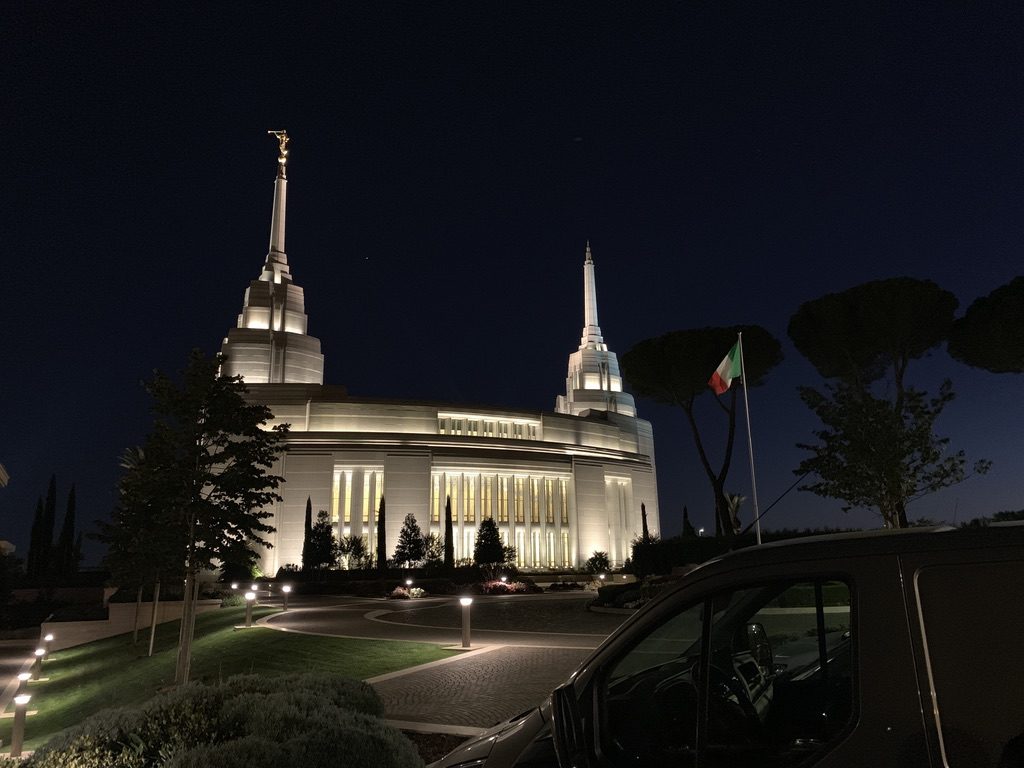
(509, 672)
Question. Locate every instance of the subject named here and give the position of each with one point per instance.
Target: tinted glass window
(774, 688)
(973, 619)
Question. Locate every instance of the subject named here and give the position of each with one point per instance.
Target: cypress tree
(32, 564)
(643, 517)
(449, 543)
(382, 552)
(307, 537)
(45, 559)
(65, 560)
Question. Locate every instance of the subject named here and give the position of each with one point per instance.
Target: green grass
(112, 672)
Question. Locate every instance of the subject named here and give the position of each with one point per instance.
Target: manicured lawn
(517, 612)
(112, 672)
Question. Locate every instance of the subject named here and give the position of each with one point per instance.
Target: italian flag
(729, 369)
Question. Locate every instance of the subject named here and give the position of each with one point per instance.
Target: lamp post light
(250, 598)
(408, 582)
(600, 576)
(284, 591)
(254, 588)
(23, 678)
(46, 645)
(465, 602)
(18, 732)
(234, 585)
(700, 531)
(38, 664)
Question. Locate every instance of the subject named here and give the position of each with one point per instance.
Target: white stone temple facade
(560, 485)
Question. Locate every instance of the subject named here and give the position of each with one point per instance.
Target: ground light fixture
(408, 582)
(46, 644)
(250, 598)
(18, 732)
(38, 663)
(284, 591)
(465, 602)
(504, 579)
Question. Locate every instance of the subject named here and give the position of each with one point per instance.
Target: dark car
(889, 649)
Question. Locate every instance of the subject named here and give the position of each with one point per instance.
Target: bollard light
(254, 588)
(18, 732)
(465, 602)
(600, 576)
(23, 678)
(504, 579)
(37, 665)
(285, 590)
(234, 585)
(250, 598)
(46, 645)
(408, 582)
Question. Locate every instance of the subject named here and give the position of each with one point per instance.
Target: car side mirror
(760, 647)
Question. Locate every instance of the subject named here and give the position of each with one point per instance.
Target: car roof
(875, 542)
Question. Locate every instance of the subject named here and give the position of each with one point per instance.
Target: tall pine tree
(307, 537)
(45, 556)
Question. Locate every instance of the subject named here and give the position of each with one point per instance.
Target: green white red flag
(729, 369)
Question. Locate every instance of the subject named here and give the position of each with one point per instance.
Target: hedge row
(308, 720)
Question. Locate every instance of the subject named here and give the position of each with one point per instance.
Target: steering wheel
(730, 712)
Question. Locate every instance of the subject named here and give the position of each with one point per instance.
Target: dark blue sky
(449, 161)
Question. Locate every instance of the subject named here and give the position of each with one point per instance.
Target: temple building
(560, 485)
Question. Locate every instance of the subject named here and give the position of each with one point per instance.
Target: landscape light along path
(508, 672)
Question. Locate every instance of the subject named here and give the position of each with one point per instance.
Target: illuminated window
(485, 497)
(502, 499)
(521, 549)
(565, 502)
(519, 500)
(335, 497)
(440, 426)
(565, 549)
(535, 549)
(347, 511)
(452, 485)
(549, 494)
(551, 549)
(435, 499)
(367, 478)
(469, 496)
(534, 500)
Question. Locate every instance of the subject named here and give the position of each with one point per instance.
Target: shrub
(564, 586)
(232, 601)
(398, 593)
(598, 563)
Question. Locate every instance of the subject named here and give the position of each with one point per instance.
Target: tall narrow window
(535, 548)
(347, 511)
(485, 497)
(452, 484)
(469, 497)
(435, 499)
(549, 498)
(565, 501)
(520, 491)
(565, 549)
(335, 497)
(551, 550)
(534, 500)
(502, 499)
(367, 480)
(521, 548)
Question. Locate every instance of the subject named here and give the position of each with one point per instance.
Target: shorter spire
(588, 259)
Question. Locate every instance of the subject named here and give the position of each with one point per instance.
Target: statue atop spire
(282, 146)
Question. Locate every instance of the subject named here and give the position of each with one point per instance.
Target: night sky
(448, 163)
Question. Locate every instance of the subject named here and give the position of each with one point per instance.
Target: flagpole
(750, 440)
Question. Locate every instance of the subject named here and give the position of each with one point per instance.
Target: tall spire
(276, 265)
(270, 344)
(593, 382)
(591, 338)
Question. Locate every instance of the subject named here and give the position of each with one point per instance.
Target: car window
(774, 688)
(650, 697)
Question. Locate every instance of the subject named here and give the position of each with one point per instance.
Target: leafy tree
(433, 549)
(674, 369)
(307, 536)
(598, 563)
(449, 540)
(877, 448)
(212, 451)
(488, 549)
(354, 551)
(409, 550)
(323, 549)
(382, 551)
(873, 330)
(989, 334)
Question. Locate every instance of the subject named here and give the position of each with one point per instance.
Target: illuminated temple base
(560, 487)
